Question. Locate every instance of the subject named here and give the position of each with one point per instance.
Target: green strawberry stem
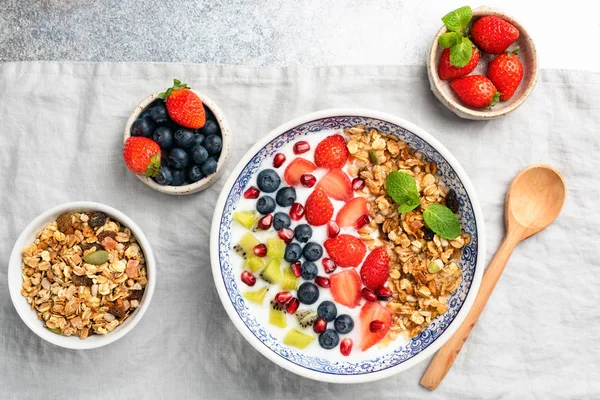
(176, 86)
(154, 166)
(494, 100)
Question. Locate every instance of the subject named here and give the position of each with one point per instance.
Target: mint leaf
(460, 54)
(458, 19)
(449, 39)
(442, 221)
(402, 188)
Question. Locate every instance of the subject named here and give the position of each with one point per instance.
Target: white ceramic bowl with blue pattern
(396, 357)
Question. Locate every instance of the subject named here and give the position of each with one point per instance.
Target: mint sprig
(402, 188)
(461, 48)
(442, 221)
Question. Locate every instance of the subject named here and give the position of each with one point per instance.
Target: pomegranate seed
(384, 293)
(248, 278)
(296, 267)
(322, 281)
(358, 183)
(251, 193)
(296, 211)
(333, 229)
(301, 147)
(308, 180)
(320, 325)
(328, 265)
(362, 221)
(368, 294)
(282, 298)
(265, 222)
(278, 160)
(292, 306)
(286, 234)
(346, 347)
(260, 250)
(376, 326)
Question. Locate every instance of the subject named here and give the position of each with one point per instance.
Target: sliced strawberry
(296, 169)
(318, 208)
(346, 250)
(345, 288)
(373, 311)
(352, 211)
(331, 152)
(337, 185)
(374, 271)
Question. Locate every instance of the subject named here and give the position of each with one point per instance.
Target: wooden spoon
(534, 200)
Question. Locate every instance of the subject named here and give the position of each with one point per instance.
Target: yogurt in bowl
(264, 288)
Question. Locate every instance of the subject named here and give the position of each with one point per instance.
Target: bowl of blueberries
(194, 139)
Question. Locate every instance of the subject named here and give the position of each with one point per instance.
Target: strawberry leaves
(461, 48)
(176, 86)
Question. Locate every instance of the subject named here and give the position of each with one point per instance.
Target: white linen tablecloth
(61, 127)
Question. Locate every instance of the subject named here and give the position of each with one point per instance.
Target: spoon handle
(443, 360)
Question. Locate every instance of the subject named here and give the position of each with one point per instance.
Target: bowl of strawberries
(482, 63)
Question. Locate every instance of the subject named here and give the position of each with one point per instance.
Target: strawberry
(345, 250)
(506, 72)
(475, 91)
(374, 271)
(373, 311)
(493, 34)
(345, 288)
(184, 106)
(337, 185)
(142, 156)
(295, 170)
(331, 152)
(318, 208)
(352, 211)
(448, 71)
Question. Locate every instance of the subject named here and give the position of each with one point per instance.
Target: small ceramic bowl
(223, 158)
(29, 316)
(446, 95)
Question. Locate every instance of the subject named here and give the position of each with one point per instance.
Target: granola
(424, 268)
(84, 274)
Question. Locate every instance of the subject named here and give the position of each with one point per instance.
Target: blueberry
(309, 270)
(184, 138)
(178, 177)
(164, 177)
(452, 201)
(427, 233)
(209, 166)
(210, 116)
(268, 180)
(265, 205)
(293, 251)
(286, 196)
(163, 137)
(308, 293)
(327, 310)
(210, 128)
(302, 233)
(281, 220)
(178, 158)
(329, 339)
(143, 127)
(199, 154)
(198, 139)
(344, 324)
(194, 173)
(213, 144)
(159, 113)
(312, 251)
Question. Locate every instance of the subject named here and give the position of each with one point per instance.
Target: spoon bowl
(534, 200)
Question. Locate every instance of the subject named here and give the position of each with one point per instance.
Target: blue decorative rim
(396, 356)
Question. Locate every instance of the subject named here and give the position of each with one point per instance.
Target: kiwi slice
(306, 318)
(275, 248)
(256, 296)
(272, 272)
(277, 315)
(246, 218)
(290, 281)
(247, 243)
(239, 250)
(297, 339)
(255, 263)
